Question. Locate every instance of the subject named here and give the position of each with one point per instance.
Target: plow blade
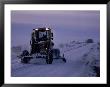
(59, 60)
(63, 59)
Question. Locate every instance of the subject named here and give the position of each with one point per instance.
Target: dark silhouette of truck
(41, 47)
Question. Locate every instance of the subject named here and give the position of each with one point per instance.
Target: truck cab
(41, 40)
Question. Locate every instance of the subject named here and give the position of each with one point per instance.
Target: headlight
(36, 29)
(47, 29)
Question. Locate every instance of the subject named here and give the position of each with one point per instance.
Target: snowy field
(83, 60)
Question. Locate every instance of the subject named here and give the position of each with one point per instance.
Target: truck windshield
(43, 35)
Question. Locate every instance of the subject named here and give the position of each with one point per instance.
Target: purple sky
(66, 25)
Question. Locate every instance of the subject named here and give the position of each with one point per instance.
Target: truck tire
(49, 58)
(49, 61)
(25, 59)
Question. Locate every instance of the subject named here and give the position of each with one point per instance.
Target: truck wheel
(49, 58)
(25, 53)
(25, 60)
(49, 61)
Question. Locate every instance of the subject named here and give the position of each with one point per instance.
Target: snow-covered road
(74, 67)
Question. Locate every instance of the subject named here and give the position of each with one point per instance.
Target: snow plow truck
(42, 46)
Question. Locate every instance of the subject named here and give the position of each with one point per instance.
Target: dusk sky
(67, 25)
